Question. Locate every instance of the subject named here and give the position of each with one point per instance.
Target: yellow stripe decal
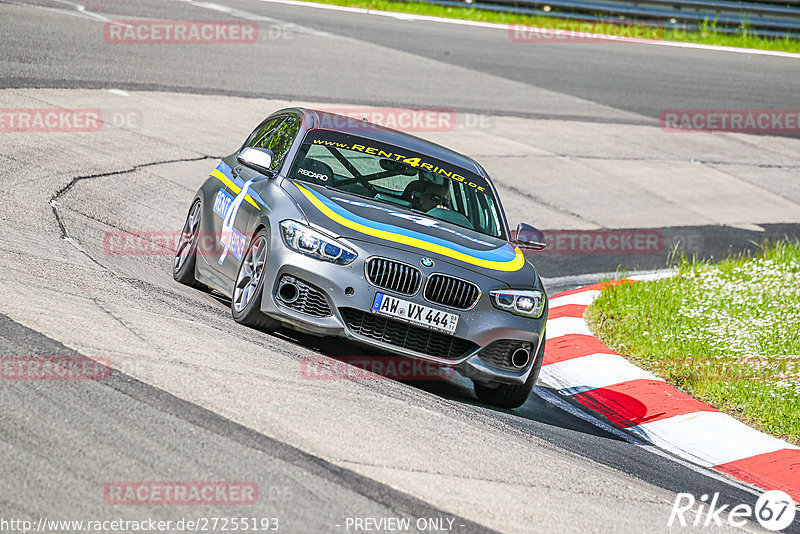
(512, 265)
(233, 187)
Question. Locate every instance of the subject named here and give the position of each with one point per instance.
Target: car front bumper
(347, 287)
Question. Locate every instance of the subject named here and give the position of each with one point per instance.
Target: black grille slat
(384, 273)
(381, 273)
(394, 276)
(437, 289)
(371, 270)
(451, 291)
(406, 336)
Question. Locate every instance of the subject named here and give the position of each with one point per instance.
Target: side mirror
(529, 237)
(258, 159)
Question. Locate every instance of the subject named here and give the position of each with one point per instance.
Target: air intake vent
(306, 299)
(406, 336)
(499, 354)
(394, 276)
(452, 292)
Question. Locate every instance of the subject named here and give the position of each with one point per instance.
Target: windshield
(398, 177)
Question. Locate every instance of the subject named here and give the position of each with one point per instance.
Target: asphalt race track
(569, 131)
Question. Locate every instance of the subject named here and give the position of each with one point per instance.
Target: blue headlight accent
(525, 302)
(305, 240)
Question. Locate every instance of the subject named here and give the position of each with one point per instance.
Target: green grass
(706, 34)
(728, 334)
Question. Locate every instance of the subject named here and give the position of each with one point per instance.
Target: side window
(263, 132)
(280, 141)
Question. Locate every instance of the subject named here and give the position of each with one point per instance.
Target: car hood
(361, 219)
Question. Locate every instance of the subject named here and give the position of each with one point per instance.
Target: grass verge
(707, 34)
(728, 334)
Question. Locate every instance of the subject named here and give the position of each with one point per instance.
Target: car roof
(325, 120)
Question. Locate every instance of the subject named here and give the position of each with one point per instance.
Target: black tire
(246, 300)
(511, 395)
(186, 256)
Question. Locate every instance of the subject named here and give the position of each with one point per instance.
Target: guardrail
(762, 18)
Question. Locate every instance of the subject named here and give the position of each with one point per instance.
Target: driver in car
(432, 196)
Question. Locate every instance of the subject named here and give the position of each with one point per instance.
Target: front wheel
(246, 301)
(186, 255)
(511, 395)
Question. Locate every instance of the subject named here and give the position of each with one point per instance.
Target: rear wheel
(511, 395)
(186, 255)
(249, 287)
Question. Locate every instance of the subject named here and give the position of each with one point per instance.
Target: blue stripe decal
(504, 253)
(225, 169)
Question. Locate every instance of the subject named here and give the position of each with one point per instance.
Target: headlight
(527, 302)
(305, 240)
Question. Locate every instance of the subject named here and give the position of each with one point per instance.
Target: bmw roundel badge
(426, 262)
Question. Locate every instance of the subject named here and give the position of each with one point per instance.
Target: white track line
(507, 27)
(566, 325)
(78, 10)
(590, 278)
(583, 298)
(709, 438)
(283, 25)
(561, 404)
(704, 438)
(591, 372)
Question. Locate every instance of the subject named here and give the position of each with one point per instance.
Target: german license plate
(415, 313)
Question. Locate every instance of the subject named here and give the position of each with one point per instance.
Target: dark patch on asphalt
(21, 340)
